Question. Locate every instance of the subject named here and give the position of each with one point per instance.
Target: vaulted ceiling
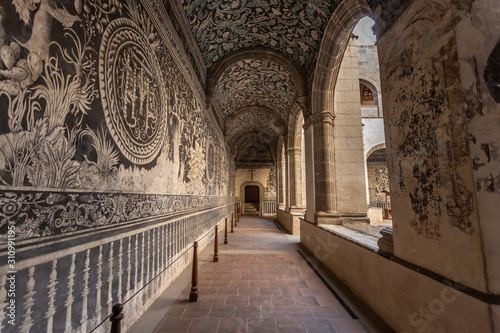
(291, 27)
(256, 82)
(255, 93)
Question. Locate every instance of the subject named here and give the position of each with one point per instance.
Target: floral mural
(253, 121)
(92, 99)
(291, 27)
(256, 82)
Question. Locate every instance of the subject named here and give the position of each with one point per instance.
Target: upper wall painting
(92, 98)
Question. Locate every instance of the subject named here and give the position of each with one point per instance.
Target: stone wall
(434, 206)
(103, 127)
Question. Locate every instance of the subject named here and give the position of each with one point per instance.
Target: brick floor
(260, 284)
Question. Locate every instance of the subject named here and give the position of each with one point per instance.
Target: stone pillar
(324, 171)
(431, 102)
(287, 183)
(309, 161)
(294, 158)
(281, 184)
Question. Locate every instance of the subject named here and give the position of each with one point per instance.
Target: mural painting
(91, 100)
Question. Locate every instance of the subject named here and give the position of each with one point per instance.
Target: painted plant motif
(281, 25)
(256, 82)
(253, 121)
(381, 183)
(270, 189)
(79, 112)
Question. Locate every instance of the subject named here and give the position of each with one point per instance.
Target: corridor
(260, 284)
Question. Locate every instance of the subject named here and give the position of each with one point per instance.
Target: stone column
(309, 163)
(281, 184)
(324, 169)
(294, 158)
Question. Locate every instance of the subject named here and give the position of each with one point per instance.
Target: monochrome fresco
(256, 82)
(92, 100)
(253, 121)
(291, 27)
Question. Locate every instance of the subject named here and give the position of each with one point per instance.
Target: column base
(297, 210)
(359, 221)
(386, 243)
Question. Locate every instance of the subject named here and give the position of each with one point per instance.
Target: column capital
(323, 117)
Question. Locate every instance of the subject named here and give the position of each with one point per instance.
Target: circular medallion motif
(132, 91)
(210, 161)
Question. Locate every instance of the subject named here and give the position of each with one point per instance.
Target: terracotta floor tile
(269, 291)
(204, 325)
(290, 291)
(261, 326)
(248, 291)
(219, 283)
(239, 283)
(259, 283)
(297, 284)
(232, 325)
(306, 300)
(311, 292)
(213, 300)
(298, 312)
(259, 300)
(248, 311)
(318, 326)
(290, 326)
(283, 300)
(196, 311)
(176, 311)
(273, 311)
(226, 291)
(175, 325)
(222, 311)
(236, 300)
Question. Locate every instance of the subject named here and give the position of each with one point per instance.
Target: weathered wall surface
(432, 187)
(102, 124)
(477, 32)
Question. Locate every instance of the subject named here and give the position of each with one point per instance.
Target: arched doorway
(252, 200)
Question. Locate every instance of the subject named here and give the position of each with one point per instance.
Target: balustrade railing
(268, 207)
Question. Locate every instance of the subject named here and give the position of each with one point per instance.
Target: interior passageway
(260, 284)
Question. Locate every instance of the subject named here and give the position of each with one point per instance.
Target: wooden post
(225, 231)
(236, 221)
(116, 318)
(216, 244)
(193, 295)
(232, 224)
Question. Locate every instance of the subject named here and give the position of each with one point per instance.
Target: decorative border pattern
(40, 214)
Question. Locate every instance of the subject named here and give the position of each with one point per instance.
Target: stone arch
(242, 193)
(333, 45)
(217, 69)
(374, 149)
(375, 87)
(332, 205)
